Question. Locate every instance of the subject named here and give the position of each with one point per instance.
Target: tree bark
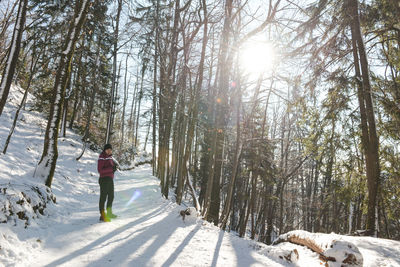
(76, 90)
(95, 87)
(238, 151)
(154, 95)
(47, 164)
(114, 76)
(370, 141)
(124, 104)
(12, 57)
(212, 203)
(23, 101)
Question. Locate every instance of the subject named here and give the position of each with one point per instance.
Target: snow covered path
(147, 233)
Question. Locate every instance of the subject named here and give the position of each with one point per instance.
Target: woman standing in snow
(106, 168)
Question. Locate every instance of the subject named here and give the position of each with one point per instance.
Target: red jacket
(105, 165)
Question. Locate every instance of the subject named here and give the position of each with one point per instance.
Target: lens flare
(135, 196)
(257, 57)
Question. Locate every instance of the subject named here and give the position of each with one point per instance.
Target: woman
(106, 168)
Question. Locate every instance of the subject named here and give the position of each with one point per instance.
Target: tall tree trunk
(369, 137)
(238, 151)
(124, 104)
(154, 95)
(114, 76)
(167, 99)
(211, 209)
(32, 71)
(65, 106)
(12, 57)
(6, 21)
(194, 102)
(47, 164)
(147, 135)
(139, 102)
(95, 88)
(116, 99)
(35, 59)
(134, 108)
(77, 90)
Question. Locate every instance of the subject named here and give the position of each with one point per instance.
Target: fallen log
(329, 247)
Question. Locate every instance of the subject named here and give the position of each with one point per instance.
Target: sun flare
(257, 57)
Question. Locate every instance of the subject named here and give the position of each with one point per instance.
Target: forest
(266, 115)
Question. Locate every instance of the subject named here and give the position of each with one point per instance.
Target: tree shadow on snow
(84, 218)
(243, 252)
(217, 248)
(179, 249)
(157, 234)
(99, 241)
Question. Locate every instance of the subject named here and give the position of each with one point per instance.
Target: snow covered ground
(148, 232)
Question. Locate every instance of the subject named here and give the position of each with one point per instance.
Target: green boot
(104, 217)
(110, 214)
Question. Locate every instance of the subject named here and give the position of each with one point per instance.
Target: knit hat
(107, 146)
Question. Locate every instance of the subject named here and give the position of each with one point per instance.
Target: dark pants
(106, 192)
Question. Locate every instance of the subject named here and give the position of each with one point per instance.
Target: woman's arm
(100, 164)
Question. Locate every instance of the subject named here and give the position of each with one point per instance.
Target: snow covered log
(330, 247)
(286, 254)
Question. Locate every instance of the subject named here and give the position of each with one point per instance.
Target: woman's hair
(107, 146)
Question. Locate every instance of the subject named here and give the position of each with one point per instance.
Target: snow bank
(141, 158)
(22, 199)
(23, 202)
(377, 251)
